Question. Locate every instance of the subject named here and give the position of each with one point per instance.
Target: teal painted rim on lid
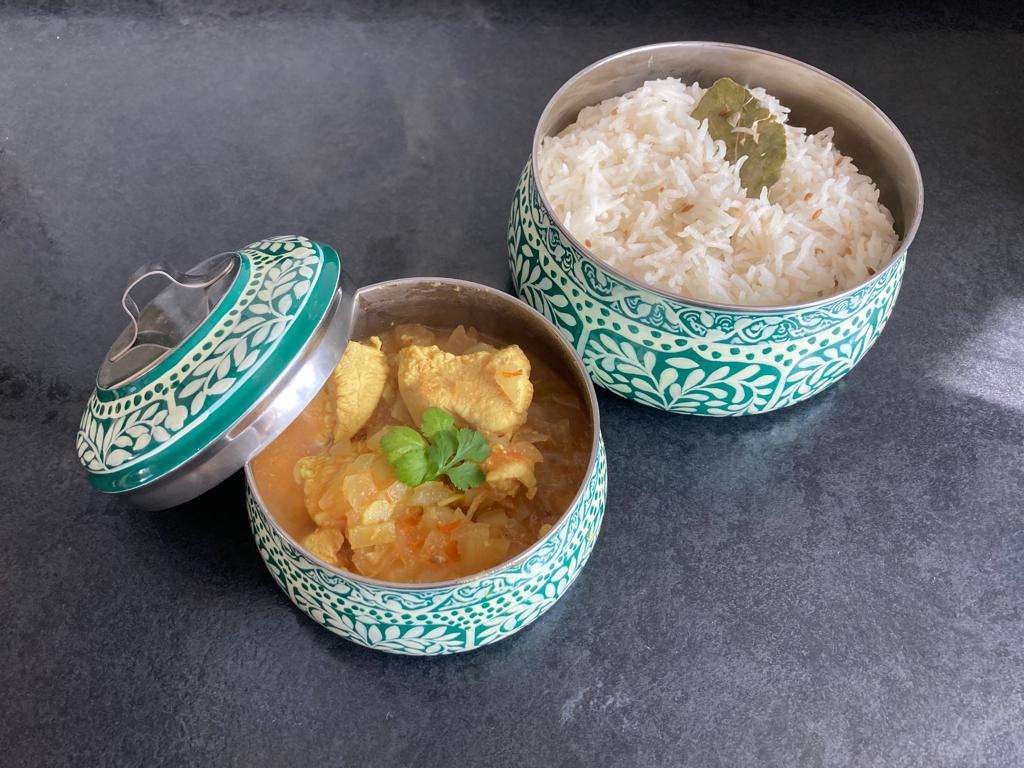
(134, 434)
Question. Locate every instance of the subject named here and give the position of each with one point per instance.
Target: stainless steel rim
(911, 229)
(590, 397)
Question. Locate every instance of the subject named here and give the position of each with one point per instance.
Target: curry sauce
(329, 483)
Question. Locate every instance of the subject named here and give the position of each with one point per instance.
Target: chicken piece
(506, 467)
(316, 474)
(490, 390)
(355, 387)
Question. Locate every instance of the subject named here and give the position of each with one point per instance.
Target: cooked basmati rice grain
(651, 193)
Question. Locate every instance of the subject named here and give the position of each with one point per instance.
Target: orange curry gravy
(338, 496)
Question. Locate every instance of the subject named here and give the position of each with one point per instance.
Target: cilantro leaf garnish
(401, 440)
(473, 446)
(436, 420)
(466, 475)
(441, 450)
(407, 454)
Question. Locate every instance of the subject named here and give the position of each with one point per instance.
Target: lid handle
(201, 281)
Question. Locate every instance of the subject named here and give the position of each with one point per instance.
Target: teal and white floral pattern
(677, 356)
(135, 433)
(424, 621)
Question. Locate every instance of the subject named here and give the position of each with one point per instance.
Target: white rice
(642, 185)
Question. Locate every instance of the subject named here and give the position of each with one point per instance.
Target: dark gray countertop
(838, 584)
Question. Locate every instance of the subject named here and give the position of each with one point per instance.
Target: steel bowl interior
(816, 99)
(449, 302)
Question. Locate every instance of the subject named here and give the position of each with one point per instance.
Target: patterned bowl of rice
(631, 230)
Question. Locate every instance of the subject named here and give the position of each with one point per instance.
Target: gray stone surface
(839, 584)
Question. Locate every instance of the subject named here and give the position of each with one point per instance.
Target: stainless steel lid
(213, 368)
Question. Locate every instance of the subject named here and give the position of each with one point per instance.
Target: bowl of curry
(447, 484)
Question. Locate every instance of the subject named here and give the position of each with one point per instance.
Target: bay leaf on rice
(728, 106)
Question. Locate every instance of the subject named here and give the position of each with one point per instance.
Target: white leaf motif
(191, 388)
(117, 457)
(220, 387)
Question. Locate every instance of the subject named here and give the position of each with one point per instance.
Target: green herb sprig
(438, 449)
